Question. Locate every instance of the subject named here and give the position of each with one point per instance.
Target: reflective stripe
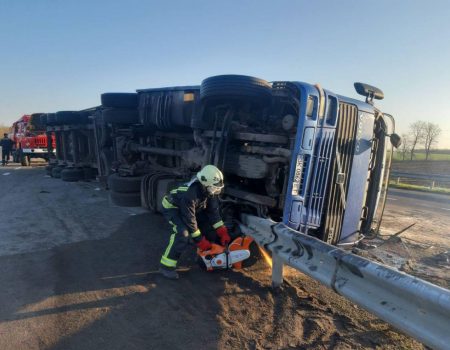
(181, 189)
(166, 204)
(218, 224)
(195, 234)
(164, 259)
(168, 262)
(172, 239)
(174, 227)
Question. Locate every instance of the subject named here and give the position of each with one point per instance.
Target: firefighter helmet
(212, 178)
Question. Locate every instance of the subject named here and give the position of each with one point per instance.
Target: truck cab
(339, 167)
(30, 139)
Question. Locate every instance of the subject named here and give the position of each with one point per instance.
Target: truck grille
(321, 160)
(340, 174)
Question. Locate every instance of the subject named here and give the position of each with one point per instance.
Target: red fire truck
(30, 139)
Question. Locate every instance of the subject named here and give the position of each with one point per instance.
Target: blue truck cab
(340, 166)
(291, 151)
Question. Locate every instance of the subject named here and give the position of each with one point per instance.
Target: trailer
(75, 149)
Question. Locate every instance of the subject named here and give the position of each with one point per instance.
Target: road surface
(427, 202)
(79, 273)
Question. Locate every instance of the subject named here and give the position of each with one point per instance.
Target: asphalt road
(427, 202)
(77, 272)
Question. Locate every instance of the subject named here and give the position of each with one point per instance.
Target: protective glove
(204, 244)
(224, 237)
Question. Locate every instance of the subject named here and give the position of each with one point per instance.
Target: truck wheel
(119, 100)
(121, 116)
(236, 87)
(89, 173)
(43, 119)
(72, 174)
(56, 172)
(125, 199)
(68, 117)
(51, 119)
(25, 160)
(124, 184)
(48, 169)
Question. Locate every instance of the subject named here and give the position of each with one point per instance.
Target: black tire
(43, 120)
(89, 173)
(125, 199)
(119, 100)
(71, 117)
(121, 116)
(36, 121)
(51, 119)
(25, 160)
(72, 174)
(56, 172)
(235, 87)
(124, 184)
(48, 169)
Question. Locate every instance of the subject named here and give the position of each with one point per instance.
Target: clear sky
(62, 54)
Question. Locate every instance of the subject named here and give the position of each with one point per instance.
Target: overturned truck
(290, 151)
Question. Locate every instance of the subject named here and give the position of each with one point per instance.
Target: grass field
(420, 155)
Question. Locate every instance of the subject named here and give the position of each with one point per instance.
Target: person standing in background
(6, 144)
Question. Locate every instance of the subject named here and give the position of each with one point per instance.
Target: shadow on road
(111, 283)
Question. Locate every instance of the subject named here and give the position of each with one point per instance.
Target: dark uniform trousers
(199, 222)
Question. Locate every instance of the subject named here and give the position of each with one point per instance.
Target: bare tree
(432, 132)
(417, 133)
(405, 146)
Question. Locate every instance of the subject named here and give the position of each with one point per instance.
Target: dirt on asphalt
(79, 273)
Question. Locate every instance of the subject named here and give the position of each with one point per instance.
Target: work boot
(168, 273)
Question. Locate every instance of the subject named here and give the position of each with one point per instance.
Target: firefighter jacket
(190, 200)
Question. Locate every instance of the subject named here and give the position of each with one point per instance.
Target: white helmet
(212, 178)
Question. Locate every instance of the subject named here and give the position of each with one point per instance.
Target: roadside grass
(439, 155)
(439, 190)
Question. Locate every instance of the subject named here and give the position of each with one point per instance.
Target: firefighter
(6, 144)
(182, 208)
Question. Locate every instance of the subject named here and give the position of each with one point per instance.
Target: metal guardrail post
(416, 307)
(277, 271)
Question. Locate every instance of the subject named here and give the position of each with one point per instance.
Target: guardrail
(431, 179)
(416, 307)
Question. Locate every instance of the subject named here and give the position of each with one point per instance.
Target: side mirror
(396, 140)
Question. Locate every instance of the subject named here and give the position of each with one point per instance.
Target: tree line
(420, 133)
(3, 129)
